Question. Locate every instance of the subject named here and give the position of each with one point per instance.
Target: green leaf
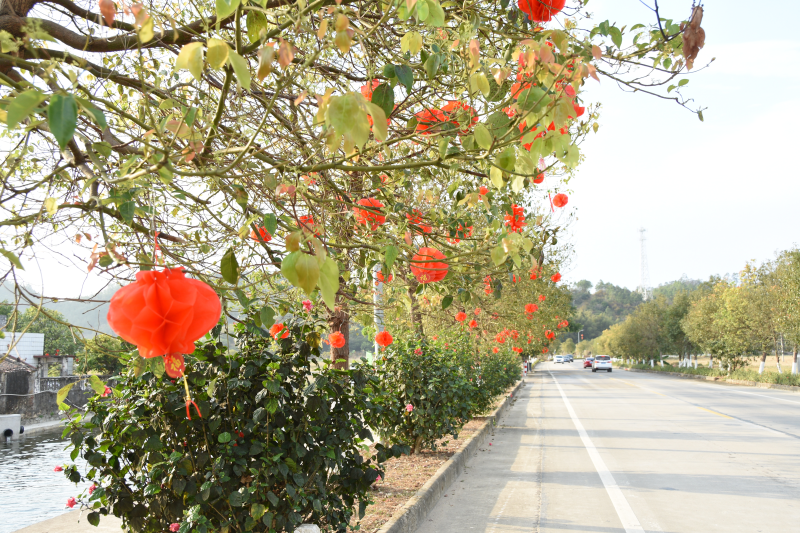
(191, 58)
(405, 76)
(236, 499)
(139, 365)
(241, 68)
(270, 223)
(616, 36)
(157, 366)
(498, 255)
(422, 10)
(329, 282)
(51, 206)
(62, 117)
(307, 269)
(97, 384)
(446, 301)
(257, 510)
(432, 65)
(95, 113)
(444, 142)
(349, 120)
(518, 183)
(216, 55)
(224, 437)
(390, 253)
(496, 175)
(256, 21)
(379, 126)
(507, 159)
(436, 16)
(383, 97)
(127, 210)
(267, 316)
(226, 8)
(230, 267)
(22, 106)
(61, 395)
(93, 518)
(483, 137)
(700, 116)
(683, 82)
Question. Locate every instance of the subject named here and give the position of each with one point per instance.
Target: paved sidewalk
(499, 492)
(74, 522)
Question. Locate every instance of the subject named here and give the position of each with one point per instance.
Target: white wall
(28, 345)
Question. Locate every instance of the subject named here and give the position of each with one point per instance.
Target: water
(29, 489)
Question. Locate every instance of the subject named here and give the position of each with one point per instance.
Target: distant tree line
(752, 315)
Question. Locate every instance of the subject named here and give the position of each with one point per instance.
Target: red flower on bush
(337, 339)
(427, 267)
(495, 349)
(276, 329)
(262, 236)
(545, 350)
(461, 316)
(380, 279)
(384, 339)
(58, 469)
(500, 338)
(560, 199)
(549, 334)
(71, 502)
(174, 527)
(555, 278)
(370, 217)
(542, 297)
(483, 191)
(366, 90)
(473, 324)
(461, 233)
(531, 308)
(516, 220)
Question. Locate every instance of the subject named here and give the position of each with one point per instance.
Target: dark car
(587, 363)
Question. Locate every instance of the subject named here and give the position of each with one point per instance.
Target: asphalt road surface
(632, 452)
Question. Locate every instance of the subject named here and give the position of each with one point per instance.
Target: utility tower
(644, 284)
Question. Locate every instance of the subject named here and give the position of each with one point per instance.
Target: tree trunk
(763, 360)
(416, 314)
(778, 360)
(339, 321)
(794, 360)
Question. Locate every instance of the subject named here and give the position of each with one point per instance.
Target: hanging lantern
(163, 314)
(384, 339)
(370, 217)
(337, 339)
(541, 10)
(427, 267)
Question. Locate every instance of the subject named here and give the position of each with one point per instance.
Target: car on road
(601, 362)
(559, 359)
(569, 357)
(587, 363)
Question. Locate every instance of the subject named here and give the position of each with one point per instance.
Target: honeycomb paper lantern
(427, 267)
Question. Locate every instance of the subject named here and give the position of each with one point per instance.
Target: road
(632, 452)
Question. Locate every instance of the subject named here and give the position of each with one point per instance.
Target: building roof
(14, 364)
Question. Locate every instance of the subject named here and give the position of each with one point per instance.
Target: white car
(601, 362)
(559, 359)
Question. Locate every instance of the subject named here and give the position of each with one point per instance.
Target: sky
(712, 195)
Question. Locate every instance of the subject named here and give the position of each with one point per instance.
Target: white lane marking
(716, 389)
(621, 505)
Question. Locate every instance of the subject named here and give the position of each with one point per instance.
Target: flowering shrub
(278, 443)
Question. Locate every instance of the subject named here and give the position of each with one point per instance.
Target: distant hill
(597, 310)
(83, 314)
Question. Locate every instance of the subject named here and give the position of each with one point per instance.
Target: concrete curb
(45, 426)
(719, 380)
(409, 517)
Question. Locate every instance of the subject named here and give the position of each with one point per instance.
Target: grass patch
(741, 374)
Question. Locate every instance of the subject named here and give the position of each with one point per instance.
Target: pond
(30, 491)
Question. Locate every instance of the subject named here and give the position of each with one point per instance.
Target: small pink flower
(308, 306)
(490, 444)
(379, 478)
(58, 469)
(409, 408)
(71, 502)
(91, 489)
(174, 527)
(106, 392)
(418, 351)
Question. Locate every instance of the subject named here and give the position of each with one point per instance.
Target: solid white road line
(621, 505)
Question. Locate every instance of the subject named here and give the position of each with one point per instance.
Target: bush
(444, 383)
(277, 445)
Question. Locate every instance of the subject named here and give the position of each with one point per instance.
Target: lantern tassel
(189, 400)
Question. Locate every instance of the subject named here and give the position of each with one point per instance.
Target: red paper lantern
(428, 119)
(163, 314)
(427, 267)
(541, 10)
(262, 236)
(370, 217)
(560, 199)
(459, 111)
(539, 178)
(415, 220)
